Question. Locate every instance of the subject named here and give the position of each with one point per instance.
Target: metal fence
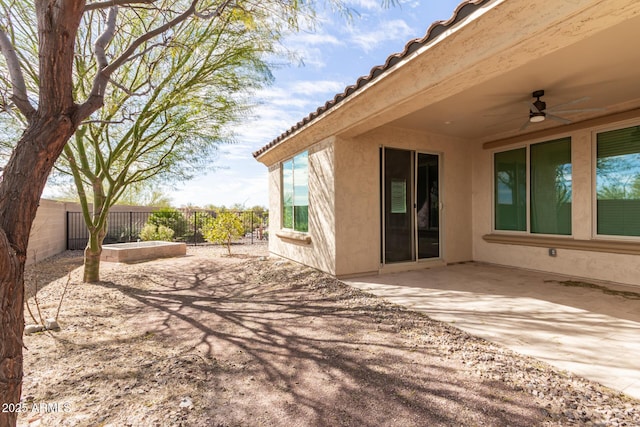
(187, 225)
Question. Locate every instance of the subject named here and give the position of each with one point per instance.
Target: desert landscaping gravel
(246, 340)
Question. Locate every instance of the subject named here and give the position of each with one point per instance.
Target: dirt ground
(244, 340)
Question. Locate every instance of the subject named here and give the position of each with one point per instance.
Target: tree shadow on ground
(286, 345)
(54, 268)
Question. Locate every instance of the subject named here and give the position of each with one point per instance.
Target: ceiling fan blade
(575, 101)
(559, 119)
(525, 125)
(531, 106)
(578, 110)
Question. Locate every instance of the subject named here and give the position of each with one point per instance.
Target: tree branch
(105, 38)
(96, 97)
(148, 36)
(112, 3)
(19, 96)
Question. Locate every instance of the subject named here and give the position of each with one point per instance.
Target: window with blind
(295, 193)
(548, 201)
(618, 182)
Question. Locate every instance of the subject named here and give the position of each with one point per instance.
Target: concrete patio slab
(589, 328)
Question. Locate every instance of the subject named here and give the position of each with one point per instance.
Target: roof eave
(433, 34)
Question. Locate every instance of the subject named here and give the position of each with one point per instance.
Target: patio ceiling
(604, 67)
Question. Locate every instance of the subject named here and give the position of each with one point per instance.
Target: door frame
(414, 208)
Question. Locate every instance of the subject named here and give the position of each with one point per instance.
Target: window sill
(610, 246)
(295, 236)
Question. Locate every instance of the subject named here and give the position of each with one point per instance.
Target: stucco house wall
(358, 196)
(571, 262)
(319, 250)
(357, 206)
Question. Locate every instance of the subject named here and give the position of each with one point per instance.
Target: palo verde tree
(224, 229)
(163, 121)
(55, 109)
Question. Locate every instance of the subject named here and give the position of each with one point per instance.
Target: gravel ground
(243, 340)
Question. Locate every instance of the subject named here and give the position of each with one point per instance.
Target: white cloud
(312, 48)
(316, 87)
(312, 57)
(410, 3)
(394, 30)
(316, 39)
(365, 4)
(267, 123)
(226, 187)
(237, 151)
(299, 103)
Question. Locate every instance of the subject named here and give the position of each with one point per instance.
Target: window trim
(527, 146)
(594, 181)
(286, 232)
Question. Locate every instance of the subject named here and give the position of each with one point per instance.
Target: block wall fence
(49, 231)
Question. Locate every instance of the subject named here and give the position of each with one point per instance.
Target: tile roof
(463, 10)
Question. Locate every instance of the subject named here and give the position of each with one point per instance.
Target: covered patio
(591, 329)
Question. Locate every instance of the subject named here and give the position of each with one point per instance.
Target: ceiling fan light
(536, 117)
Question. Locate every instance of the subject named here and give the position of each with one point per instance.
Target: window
(295, 193)
(548, 200)
(511, 190)
(618, 182)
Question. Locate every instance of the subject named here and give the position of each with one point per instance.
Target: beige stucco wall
(357, 206)
(621, 268)
(48, 232)
(358, 196)
(320, 252)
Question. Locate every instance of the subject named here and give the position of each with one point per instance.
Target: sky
(334, 56)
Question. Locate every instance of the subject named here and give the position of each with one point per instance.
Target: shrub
(170, 218)
(154, 232)
(198, 220)
(224, 229)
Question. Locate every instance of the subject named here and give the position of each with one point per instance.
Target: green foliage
(250, 220)
(170, 218)
(155, 232)
(197, 221)
(226, 228)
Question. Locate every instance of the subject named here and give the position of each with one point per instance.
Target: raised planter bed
(142, 251)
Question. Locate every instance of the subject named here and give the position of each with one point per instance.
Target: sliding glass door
(428, 205)
(398, 206)
(410, 206)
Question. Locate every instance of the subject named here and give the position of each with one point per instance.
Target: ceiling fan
(538, 111)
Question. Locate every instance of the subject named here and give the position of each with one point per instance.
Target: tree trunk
(97, 232)
(92, 257)
(12, 310)
(25, 175)
(91, 265)
(23, 181)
